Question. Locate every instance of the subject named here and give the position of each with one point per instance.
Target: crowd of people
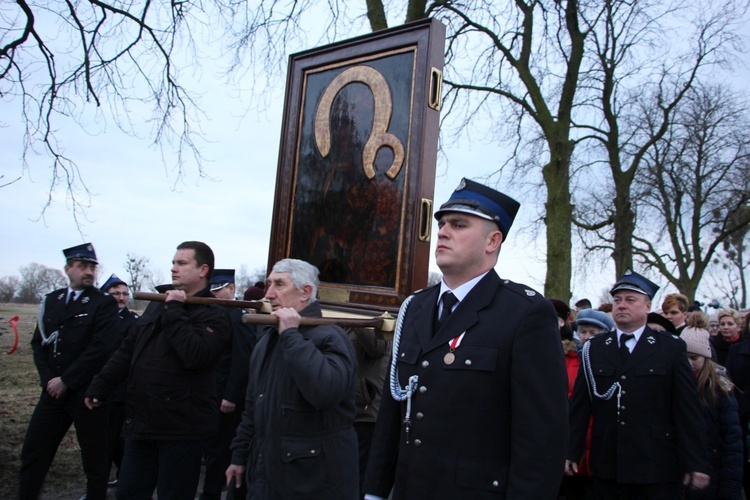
(487, 389)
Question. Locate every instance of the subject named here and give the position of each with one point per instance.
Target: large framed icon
(356, 171)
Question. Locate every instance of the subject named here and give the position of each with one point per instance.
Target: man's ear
(203, 271)
(307, 292)
(494, 240)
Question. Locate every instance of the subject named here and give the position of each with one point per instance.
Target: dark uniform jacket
(297, 437)
(657, 433)
(127, 319)
(87, 336)
(492, 423)
(169, 359)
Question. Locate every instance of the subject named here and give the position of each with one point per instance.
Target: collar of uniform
(460, 291)
(77, 293)
(637, 334)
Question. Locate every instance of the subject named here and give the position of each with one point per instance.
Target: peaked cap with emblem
(112, 281)
(473, 198)
(84, 252)
(635, 282)
(221, 278)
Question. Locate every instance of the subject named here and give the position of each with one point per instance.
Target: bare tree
(112, 60)
(37, 280)
(694, 187)
(9, 286)
(733, 263)
(636, 98)
(138, 271)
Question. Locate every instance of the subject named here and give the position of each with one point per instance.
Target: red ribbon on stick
(14, 324)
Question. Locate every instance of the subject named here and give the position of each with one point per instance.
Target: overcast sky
(136, 206)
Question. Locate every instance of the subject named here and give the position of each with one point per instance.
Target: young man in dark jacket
(169, 359)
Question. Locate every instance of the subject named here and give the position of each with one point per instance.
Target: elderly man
(479, 373)
(168, 359)
(637, 386)
(72, 341)
(297, 438)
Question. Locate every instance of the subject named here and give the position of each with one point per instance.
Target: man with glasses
(118, 289)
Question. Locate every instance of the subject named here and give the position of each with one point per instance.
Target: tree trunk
(558, 221)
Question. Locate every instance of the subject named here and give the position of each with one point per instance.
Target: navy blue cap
(221, 278)
(636, 283)
(473, 198)
(83, 252)
(112, 281)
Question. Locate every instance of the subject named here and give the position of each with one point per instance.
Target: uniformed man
(479, 374)
(74, 337)
(636, 384)
(118, 289)
(231, 384)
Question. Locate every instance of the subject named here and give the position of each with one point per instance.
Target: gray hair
(301, 273)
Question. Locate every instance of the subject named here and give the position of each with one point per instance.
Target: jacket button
(422, 390)
(417, 443)
(403, 354)
(425, 363)
(288, 454)
(260, 395)
(623, 377)
(495, 483)
(312, 452)
(622, 423)
(420, 415)
(467, 362)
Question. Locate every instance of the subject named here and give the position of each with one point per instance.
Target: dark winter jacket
(724, 441)
(169, 359)
(297, 437)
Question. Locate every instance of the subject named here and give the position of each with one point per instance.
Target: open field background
(19, 391)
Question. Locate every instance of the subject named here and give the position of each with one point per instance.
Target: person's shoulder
(665, 336)
(58, 294)
(521, 290)
(425, 290)
(600, 338)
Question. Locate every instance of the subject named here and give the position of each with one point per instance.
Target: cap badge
(462, 184)
(530, 293)
(628, 272)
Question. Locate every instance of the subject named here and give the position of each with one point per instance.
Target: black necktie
(448, 300)
(624, 351)
(71, 298)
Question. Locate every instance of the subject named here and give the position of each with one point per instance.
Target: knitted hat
(697, 341)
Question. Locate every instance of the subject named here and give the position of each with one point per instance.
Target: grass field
(19, 391)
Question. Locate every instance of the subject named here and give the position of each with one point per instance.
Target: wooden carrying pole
(245, 304)
(380, 322)
(385, 322)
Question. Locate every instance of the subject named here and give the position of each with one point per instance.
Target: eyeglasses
(120, 294)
